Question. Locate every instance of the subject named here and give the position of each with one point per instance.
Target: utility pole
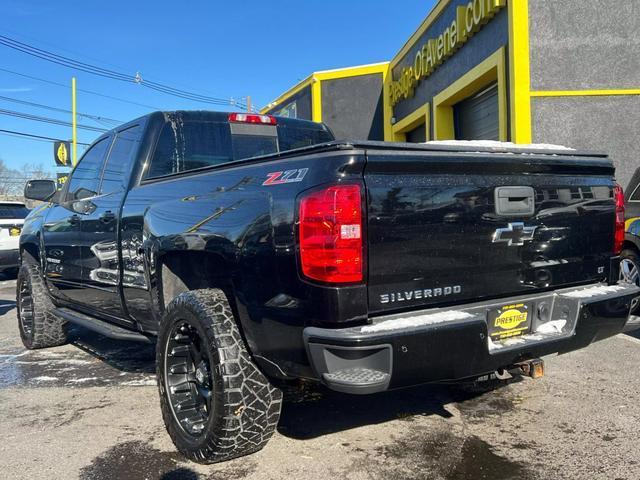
(74, 147)
(248, 104)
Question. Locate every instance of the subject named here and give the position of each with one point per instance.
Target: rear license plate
(14, 231)
(509, 321)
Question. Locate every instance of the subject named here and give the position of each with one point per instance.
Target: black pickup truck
(255, 250)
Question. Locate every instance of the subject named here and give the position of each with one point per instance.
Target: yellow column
(519, 71)
(316, 100)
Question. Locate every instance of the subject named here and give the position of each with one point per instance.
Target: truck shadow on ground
(313, 411)
(6, 306)
(130, 357)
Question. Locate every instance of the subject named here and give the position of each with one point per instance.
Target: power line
(90, 92)
(53, 121)
(62, 110)
(111, 74)
(87, 59)
(32, 136)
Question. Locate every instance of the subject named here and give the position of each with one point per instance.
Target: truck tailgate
(443, 229)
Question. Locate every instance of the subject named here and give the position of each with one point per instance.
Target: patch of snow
(7, 358)
(513, 341)
(554, 326)
(145, 382)
(44, 378)
(56, 361)
(593, 291)
(75, 361)
(533, 337)
(634, 318)
(82, 380)
(417, 321)
(499, 145)
(492, 345)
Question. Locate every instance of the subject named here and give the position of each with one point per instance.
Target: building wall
(352, 107)
(585, 77)
(584, 44)
(608, 124)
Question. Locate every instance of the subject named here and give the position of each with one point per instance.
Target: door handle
(74, 220)
(515, 201)
(107, 217)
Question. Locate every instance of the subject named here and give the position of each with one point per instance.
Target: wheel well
(629, 245)
(29, 254)
(184, 271)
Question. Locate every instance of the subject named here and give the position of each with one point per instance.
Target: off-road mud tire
(44, 329)
(245, 407)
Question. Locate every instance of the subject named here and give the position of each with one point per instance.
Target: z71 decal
(286, 176)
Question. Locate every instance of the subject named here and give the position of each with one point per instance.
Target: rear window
(10, 211)
(290, 138)
(247, 146)
(184, 146)
(190, 145)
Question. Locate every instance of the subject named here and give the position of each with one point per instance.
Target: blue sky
(221, 49)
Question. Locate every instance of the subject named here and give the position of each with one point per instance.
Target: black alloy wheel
(188, 378)
(25, 306)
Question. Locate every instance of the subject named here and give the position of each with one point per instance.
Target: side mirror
(41, 190)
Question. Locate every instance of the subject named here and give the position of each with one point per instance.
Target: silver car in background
(12, 215)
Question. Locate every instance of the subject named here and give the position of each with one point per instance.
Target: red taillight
(252, 118)
(331, 235)
(618, 195)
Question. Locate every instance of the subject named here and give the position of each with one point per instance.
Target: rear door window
(118, 166)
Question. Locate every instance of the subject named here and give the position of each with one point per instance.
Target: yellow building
(550, 71)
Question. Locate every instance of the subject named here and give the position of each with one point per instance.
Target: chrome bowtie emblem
(515, 234)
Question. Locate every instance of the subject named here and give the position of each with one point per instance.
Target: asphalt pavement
(90, 410)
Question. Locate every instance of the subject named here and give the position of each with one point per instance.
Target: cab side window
(85, 178)
(121, 158)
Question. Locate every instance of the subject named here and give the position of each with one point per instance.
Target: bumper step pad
(357, 377)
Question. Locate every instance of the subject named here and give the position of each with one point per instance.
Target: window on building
(417, 134)
(477, 117)
(290, 110)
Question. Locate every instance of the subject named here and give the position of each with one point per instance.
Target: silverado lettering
(419, 294)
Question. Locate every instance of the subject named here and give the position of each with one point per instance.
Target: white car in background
(12, 215)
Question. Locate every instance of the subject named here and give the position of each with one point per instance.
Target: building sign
(62, 179)
(469, 19)
(61, 153)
